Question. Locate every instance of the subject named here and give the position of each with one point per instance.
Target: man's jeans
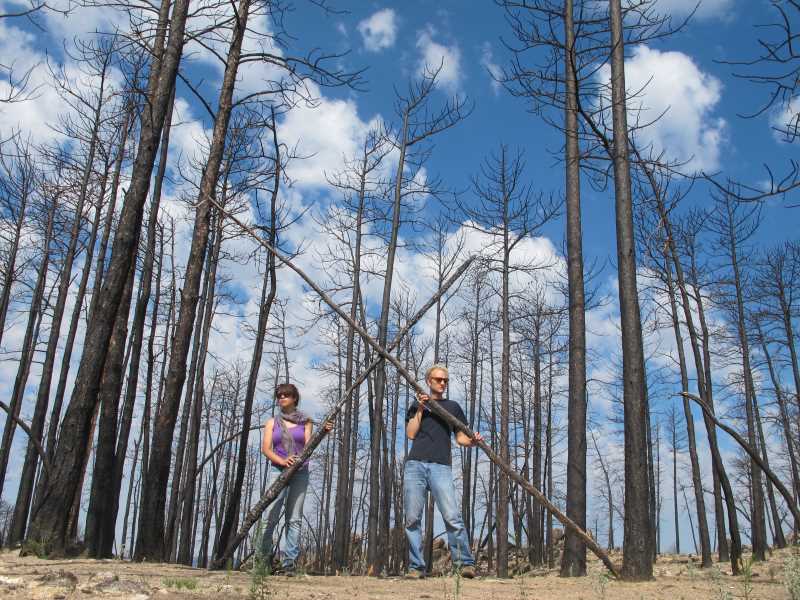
(418, 477)
(293, 496)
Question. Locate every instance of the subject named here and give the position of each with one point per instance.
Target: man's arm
(414, 423)
(462, 439)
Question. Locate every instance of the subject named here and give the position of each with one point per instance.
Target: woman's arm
(308, 430)
(266, 445)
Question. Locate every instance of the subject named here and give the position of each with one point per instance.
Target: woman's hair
(436, 367)
(288, 388)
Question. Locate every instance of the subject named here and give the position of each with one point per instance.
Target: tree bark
(190, 460)
(51, 521)
(697, 484)
(374, 544)
(783, 411)
(758, 526)
(27, 350)
(28, 475)
(137, 335)
(100, 528)
(637, 561)
(573, 559)
(150, 545)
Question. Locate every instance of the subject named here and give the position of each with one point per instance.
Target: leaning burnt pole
(433, 407)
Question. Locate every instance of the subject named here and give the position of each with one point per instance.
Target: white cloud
(81, 21)
(786, 121)
(707, 9)
(379, 31)
(39, 104)
(188, 139)
(326, 134)
(677, 99)
(494, 70)
(20, 60)
(434, 55)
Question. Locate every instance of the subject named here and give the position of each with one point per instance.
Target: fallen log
(432, 406)
(753, 454)
(282, 480)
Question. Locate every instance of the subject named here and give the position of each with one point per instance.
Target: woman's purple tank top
(298, 433)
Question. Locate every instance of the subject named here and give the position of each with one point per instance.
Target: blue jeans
(293, 496)
(421, 476)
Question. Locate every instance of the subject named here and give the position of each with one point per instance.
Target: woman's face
(286, 401)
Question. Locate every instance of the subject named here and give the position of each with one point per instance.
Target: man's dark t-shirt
(432, 443)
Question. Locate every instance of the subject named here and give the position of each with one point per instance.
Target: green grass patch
(180, 583)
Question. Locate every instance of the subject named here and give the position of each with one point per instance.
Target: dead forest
(131, 426)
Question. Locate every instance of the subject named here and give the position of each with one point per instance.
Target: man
(428, 467)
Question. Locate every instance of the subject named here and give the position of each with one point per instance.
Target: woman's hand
(477, 437)
(288, 462)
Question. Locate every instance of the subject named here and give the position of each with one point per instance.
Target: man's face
(437, 381)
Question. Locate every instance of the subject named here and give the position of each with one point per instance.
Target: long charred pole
(283, 479)
(790, 503)
(384, 354)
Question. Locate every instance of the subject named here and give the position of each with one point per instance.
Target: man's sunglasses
(440, 379)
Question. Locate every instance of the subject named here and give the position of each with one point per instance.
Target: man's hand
(422, 399)
(477, 437)
(328, 426)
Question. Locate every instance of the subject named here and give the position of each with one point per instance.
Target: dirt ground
(676, 579)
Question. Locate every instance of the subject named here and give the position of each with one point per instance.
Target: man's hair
(436, 367)
(288, 388)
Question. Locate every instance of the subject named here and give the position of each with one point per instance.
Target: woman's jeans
(293, 496)
(418, 477)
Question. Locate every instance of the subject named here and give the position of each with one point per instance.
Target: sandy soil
(676, 579)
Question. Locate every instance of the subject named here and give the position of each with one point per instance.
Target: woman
(284, 438)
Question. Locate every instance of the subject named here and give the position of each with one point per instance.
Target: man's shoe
(468, 572)
(290, 570)
(415, 574)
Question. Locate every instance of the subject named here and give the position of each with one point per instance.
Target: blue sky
(392, 40)
(468, 36)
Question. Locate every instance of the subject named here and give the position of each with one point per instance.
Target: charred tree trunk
(573, 559)
(778, 539)
(190, 459)
(140, 313)
(784, 413)
(730, 236)
(97, 519)
(702, 361)
(374, 544)
(268, 292)
(150, 544)
(51, 520)
(24, 187)
(28, 475)
(697, 484)
(27, 350)
(637, 558)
